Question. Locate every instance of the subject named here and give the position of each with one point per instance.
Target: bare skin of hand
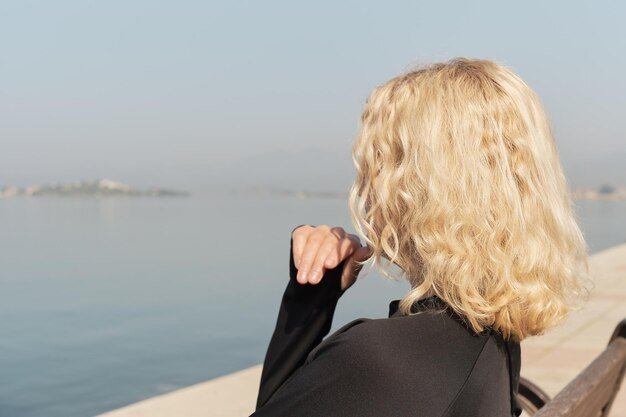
(316, 249)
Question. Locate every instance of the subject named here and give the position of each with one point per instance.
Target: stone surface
(555, 358)
(227, 396)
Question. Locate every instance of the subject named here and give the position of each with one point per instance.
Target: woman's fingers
(316, 249)
(309, 252)
(332, 247)
(340, 251)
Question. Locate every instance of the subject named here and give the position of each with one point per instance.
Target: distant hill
(97, 188)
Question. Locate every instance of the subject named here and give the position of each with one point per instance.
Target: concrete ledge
(226, 396)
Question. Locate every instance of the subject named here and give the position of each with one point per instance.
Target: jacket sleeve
(304, 318)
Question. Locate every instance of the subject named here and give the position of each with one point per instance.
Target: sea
(109, 301)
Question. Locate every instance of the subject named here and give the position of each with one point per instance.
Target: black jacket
(427, 365)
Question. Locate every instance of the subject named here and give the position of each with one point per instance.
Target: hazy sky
(198, 94)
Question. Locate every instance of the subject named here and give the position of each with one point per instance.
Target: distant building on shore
(605, 192)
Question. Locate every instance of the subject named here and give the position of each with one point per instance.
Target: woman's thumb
(351, 269)
(362, 253)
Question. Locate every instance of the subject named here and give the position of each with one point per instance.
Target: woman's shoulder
(396, 355)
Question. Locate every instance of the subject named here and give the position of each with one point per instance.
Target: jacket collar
(426, 303)
(393, 308)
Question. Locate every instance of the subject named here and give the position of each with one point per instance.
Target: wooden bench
(591, 393)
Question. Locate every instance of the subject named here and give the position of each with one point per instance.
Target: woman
(459, 184)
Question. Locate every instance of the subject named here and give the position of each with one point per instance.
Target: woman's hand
(316, 249)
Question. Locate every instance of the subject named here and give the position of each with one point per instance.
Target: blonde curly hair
(459, 184)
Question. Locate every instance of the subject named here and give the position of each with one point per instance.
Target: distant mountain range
(110, 188)
(97, 188)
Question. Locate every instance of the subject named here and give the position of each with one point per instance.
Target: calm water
(107, 302)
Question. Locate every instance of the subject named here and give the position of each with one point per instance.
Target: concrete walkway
(550, 361)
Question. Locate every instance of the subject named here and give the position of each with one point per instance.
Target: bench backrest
(592, 392)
